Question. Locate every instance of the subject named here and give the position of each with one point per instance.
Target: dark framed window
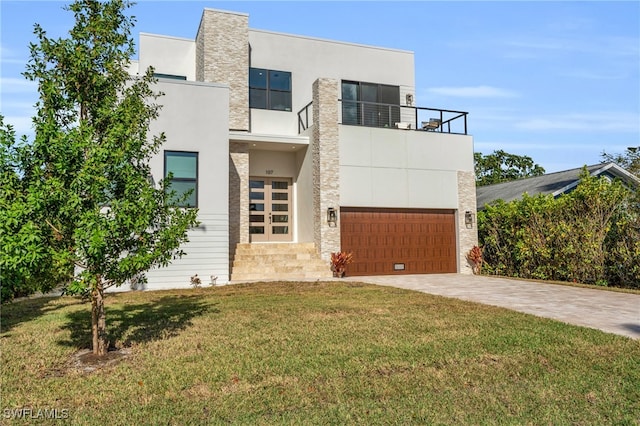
(269, 89)
(370, 104)
(183, 167)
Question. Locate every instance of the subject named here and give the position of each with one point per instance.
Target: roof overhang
(610, 168)
(270, 142)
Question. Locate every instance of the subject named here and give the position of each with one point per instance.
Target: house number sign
(269, 172)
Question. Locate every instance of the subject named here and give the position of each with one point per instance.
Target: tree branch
(80, 265)
(53, 227)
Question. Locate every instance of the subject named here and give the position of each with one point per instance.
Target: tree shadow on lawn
(131, 324)
(27, 309)
(635, 328)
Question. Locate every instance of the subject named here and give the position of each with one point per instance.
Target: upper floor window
(183, 167)
(269, 89)
(370, 104)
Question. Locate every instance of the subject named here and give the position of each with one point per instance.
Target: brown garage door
(398, 241)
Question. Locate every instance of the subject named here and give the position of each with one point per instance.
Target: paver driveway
(609, 311)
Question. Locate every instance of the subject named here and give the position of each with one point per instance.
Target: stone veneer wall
(467, 237)
(222, 56)
(238, 194)
(326, 166)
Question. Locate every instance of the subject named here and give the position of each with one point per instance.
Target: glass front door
(269, 209)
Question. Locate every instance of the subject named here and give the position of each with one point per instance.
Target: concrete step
(281, 276)
(265, 248)
(269, 258)
(288, 267)
(272, 261)
(275, 266)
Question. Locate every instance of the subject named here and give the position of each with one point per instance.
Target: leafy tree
(27, 263)
(86, 177)
(501, 166)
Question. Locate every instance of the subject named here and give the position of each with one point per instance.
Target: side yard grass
(313, 353)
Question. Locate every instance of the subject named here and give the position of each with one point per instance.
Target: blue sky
(557, 81)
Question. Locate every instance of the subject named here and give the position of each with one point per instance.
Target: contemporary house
(297, 147)
(556, 184)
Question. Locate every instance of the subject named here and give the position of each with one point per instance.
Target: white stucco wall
(195, 118)
(168, 55)
(407, 169)
(310, 58)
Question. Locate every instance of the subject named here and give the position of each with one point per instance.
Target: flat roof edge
(230, 12)
(327, 40)
(166, 36)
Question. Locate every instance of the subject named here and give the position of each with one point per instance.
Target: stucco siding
(310, 58)
(272, 164)
(167, 55)
(408, 169)
(194, 118)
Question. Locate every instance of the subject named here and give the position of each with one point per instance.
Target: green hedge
(590, 235)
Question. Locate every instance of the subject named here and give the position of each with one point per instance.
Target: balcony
(392, 116)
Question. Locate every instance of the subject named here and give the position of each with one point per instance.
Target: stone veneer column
(222, 56)
(467, 237)
(326, 167)
(238, 194)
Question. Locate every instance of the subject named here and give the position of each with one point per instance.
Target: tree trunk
(98, 320)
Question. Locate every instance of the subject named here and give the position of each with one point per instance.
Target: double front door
(270, 209)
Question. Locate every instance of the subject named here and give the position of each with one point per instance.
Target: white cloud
(601, 46)
(594, 75)
(18, 85)
(18, 105)
(529, 146)
(10, 56)
(13, 61)
(607, 121)
(473, 92)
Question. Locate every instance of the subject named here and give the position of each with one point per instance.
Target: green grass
(315, 353)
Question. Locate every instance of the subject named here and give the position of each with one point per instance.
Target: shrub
(590, 235)
(339, 262)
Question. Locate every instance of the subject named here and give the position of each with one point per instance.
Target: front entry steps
(278, 261)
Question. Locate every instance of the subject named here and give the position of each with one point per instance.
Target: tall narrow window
(350, 109)
(269, 89)
(183, 166)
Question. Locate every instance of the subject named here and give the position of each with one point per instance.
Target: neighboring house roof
(552, 183)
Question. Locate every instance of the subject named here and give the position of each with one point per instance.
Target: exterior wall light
(332, 216)
(468, 219)
(409, 99)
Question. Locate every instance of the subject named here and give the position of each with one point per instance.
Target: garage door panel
(421, 239)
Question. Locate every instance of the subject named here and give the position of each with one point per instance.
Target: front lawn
(312, 353)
